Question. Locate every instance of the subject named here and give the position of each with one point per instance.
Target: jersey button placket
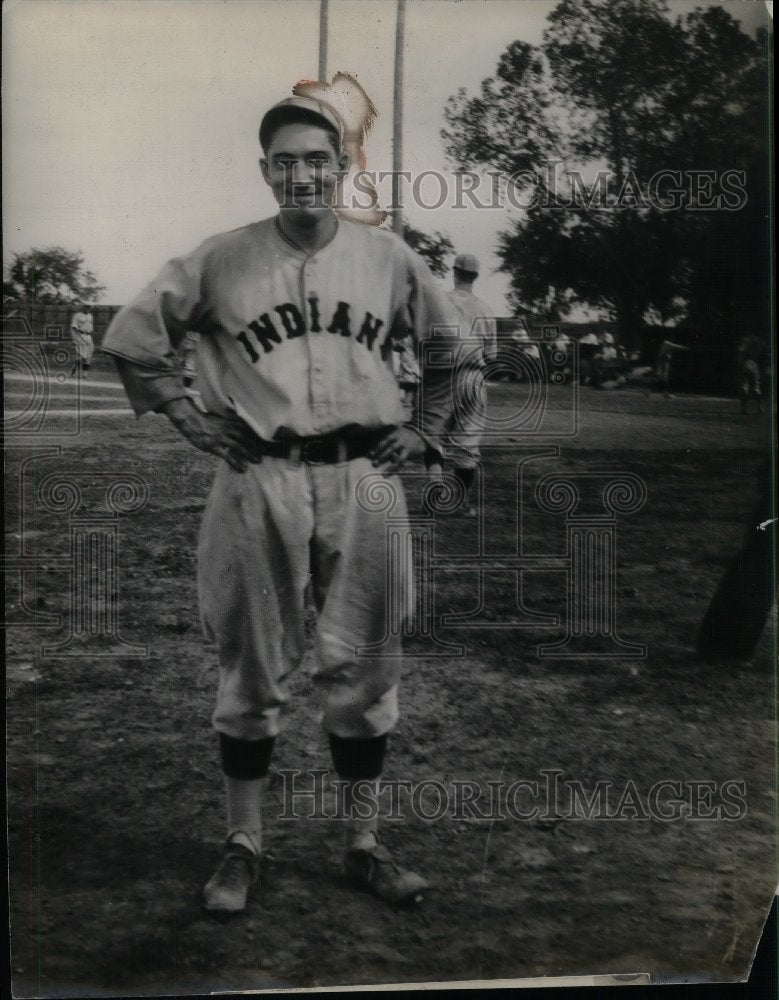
(310, 291)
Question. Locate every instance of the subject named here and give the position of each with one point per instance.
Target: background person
(81, 330)
(750, 383)
(478, 345)
(663, 366)
(189, 355)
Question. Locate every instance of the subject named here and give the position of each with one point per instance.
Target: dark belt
(321, 449)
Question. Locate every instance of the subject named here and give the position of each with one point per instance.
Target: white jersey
(477, 324)
(82, 323)
(291, 341)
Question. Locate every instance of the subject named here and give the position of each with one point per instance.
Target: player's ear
(344, 162)
(264, 169)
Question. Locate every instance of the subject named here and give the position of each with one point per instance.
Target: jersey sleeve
(145, 335)
(146, 388)
(150, 329)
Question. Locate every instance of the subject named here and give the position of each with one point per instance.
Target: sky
(130, 126)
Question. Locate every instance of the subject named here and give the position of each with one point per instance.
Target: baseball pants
(267, 532)
(466, 426)
(85, 346)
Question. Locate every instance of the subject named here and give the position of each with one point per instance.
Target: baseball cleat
(228, 888)
(373, 869)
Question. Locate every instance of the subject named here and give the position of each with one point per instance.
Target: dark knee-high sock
(359, 762)
(467, 477)
(245, 765)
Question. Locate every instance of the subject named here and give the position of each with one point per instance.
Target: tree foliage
(435, 248)
(621, 88)
(52, 275)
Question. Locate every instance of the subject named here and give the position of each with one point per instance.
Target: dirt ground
(114, 789)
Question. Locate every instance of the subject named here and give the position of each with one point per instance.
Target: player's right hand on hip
(227, 437)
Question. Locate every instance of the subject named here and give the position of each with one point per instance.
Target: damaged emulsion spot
(358, 114)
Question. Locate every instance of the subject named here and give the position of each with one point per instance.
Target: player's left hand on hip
(396, 448)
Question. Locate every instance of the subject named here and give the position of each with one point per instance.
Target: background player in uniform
(81, 330)
(750, 354)
(189, 356)
(477, 333)
(408, 371)
(297, 315)
(663, 366)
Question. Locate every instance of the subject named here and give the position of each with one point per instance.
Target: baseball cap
(297, 109)
(467, 262)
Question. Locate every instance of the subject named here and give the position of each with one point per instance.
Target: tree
(435, 249)
(616, 93)
(728, 252)
(53, 275)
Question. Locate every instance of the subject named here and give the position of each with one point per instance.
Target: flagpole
(397, 119)
(322, 40)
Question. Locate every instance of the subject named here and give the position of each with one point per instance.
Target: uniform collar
(306, 253)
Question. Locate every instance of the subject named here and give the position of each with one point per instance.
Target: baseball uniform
(298, 345)
(297, 317)
(189, 356)
(664, 364)
(81, 330)
(749, 380)
(478, 345)
(408, 367)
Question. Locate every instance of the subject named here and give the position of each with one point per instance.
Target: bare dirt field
(114, 788)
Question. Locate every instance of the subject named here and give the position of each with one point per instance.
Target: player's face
(303, 168)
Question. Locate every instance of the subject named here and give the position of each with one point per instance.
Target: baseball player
(408, 371)
(663, 366)
(81, 330)
(562, 346)
(750, 354)
(189, 355)
(297, 315)
(478, 336)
